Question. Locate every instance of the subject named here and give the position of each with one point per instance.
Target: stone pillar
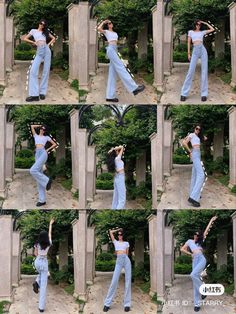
(83, 163)
(234, 249)
(160, 147)
(91, 173)
(222, 249)
(10, 150)
(2, 151)
(143, 42)
(152, 227)
(90, 255)
(80, 255)
(169, 256)
(61, 150)
(3, 77)
(232, 146)
(6, 258)
(139, 249)
(141, 168)
(79, 43)
(168, 44)
(168, 141)
(154, 147)
(218, 142)
(16, 254)
(93, 46)
(160, 253)
(63, 252)
(74, 126)
(9, 43)
(158, 44)
(220, 40)
(232, 10)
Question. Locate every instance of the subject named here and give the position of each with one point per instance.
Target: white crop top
(194, 139)
(110, 36)
(121, 246)
(38, 35)
(42, 252)
(41, 139)
(193, 245)
(196, 35)
(119, 164)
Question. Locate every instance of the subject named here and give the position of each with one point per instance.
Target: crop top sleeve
(110, 36)
(121, 246)
(38, 35)
(41, 139)
(194, 139)
(197, 35)
(193, 245)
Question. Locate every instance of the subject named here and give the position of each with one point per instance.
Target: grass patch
(2, 305)
(75, 85)
(145, 286)
(149, 78)
(67, 184)
(64, 75)
(226, 77)
(229, 289)
(224, 180)
(70, 289)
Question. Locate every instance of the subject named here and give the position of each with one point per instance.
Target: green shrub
(184, 259)
(105, 265)
(28, 269)
(25, 153)
(102, 57)
(104, 185)
(24, 163)
(75, 85)
(60, 61)
(28, 260)
(24, 47)
(105, 176)
(105, 256)
(181, 47)
(180, 56)
(220, 63)
(24, 55)
(64, 275)
(181, 159)
(143, 190)
(233, 190)
(62, 169)
(142, 271)
(223, 275)
(182, 268)
(218, 165)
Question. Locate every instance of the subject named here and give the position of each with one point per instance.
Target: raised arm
(50, 229)
(33, 127)
(121, 148)
(27, 39)
(211, 29)
(209, 226)
(112, 231)
(100, 26)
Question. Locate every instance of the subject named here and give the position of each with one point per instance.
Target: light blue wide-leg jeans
(198, 265)
(36, 171)
(122, 261)
(198, 175)
(117, 68)
(119, 194)
(199, 51)
(41, 264)
(43, 54)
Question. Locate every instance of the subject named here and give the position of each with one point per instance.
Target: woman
(198, 175)
(199, 51)
(41, 264)
(115, 163)
(122, 261)
(41, 156)
(116, 66)
(43, 39)
(193, 247)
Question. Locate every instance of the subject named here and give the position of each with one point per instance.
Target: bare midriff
(197, 42)
(41, 42)
(39, 146)
(120, 171)
(113, 42)
(120, 252)
(197, 251)
(196, 146)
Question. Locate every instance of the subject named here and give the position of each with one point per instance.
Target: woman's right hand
(189, 57)
(52, 221)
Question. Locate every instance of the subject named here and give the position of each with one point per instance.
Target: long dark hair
(37, 130)
(43, 240)
(45, 29)
(123, 234)
(195, 24)
(105, 26)
(111, 161)
(200, 134)
(200, 238)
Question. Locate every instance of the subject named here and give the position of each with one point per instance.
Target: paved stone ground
(219, 92)
(97, 95)
(141, 303)
(22, 194)
(103, 200)
(214, 195)
(182, 291)
(26, 301)
(59, 91)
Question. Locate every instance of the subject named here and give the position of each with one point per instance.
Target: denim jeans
(36, 171)
(198, 265)
(198, 175)
(119, 194)
(43, 54)
(122, 261)
(41, 264)
(117, 69)
(199, 51)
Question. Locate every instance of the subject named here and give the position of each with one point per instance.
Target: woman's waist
(197, 251)
(120, 171)
(198, 43)
(42, 257)
(40, 146)
(41, 43)
(196, 147)
(121, 253)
